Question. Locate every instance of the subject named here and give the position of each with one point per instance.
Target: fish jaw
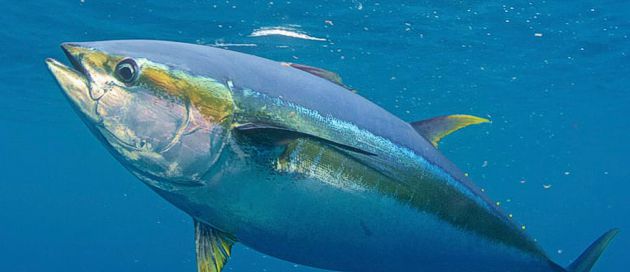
(75, 87)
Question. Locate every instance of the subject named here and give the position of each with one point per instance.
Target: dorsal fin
(325, 74)
(435, 129)
(213, 248)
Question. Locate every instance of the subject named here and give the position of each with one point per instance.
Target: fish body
(286, 160)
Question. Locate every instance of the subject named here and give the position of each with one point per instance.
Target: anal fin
(213, 248)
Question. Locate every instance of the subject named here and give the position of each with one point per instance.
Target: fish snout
(75, 86)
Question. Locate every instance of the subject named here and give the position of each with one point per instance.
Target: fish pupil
(126, 70)
(126, 73)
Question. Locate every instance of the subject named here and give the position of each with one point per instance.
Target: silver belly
(314, 223)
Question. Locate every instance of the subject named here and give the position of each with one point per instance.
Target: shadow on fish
(289, 161)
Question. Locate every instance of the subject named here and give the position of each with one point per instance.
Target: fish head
(165, 124)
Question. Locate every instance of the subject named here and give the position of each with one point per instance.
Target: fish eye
(127, 71)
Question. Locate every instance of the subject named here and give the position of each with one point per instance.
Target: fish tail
(585, 262)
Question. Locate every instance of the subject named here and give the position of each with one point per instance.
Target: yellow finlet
(435, 129)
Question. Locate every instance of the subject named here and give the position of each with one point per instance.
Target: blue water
(552, 75)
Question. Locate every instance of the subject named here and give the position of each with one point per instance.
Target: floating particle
(329, 22)
(523, 181)
(283, 31)
(510, 215)
(559, 251)
(219, 44)
(538, 35)
(523, 227)
(485, 163)
(546, 186)
(566, 173)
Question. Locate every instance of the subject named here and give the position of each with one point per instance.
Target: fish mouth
(70, 50)
(74, 81)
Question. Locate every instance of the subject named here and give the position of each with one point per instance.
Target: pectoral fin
(435, 129)
(213, 248)
(280, 136)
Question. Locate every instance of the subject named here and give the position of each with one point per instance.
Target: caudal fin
(585, 262)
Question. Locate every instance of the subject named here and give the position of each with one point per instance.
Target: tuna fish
(289, 161)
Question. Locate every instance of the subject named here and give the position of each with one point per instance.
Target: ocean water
(553, 76)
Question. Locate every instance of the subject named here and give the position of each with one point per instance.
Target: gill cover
(163, 122)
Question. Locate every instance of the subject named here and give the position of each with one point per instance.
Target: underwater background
(553, 76)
